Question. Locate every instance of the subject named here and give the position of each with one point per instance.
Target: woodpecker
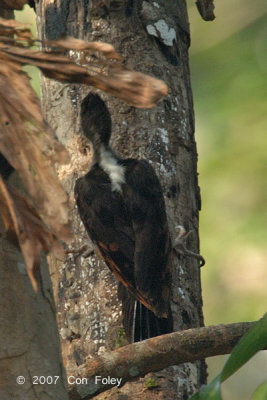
(121, 205)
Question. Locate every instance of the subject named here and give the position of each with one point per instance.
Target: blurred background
(228, 60)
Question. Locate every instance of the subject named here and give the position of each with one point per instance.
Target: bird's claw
(179, 244)
(85, 250)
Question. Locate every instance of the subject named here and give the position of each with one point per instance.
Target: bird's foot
(179, 244)
(85, 250)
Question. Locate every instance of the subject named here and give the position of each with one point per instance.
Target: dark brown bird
(5, 168)
(121, 204)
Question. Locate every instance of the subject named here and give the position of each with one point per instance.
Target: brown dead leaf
(30, 148)
(206, 9)
(13, 4)
(9, 28)
(132, 85)
(70, 43)
(104, 71)
(25, 228)
(26, 141)
(137, 89)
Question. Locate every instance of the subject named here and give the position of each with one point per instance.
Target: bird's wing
(152, 250)
(108, 223)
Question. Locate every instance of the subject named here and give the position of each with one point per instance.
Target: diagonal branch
(137, 359)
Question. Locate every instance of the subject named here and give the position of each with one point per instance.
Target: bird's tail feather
(140, 323)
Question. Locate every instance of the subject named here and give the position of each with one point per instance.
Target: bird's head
(95, 119)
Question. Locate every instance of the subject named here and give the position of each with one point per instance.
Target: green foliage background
(229, 78)
(228, 60)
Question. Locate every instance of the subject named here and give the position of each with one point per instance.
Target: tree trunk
(30, 347)
(153, 37)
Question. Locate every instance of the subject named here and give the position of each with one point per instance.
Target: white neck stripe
(110, 165)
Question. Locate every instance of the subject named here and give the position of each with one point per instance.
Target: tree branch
(137, 359)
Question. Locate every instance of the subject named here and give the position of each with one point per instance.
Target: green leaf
(253, 341)
(212, 391)
(195, 396)
(151, 383)
(209, 392)
(261, 392)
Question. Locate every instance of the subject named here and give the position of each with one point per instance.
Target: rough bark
(28, 332)
(89, 315)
